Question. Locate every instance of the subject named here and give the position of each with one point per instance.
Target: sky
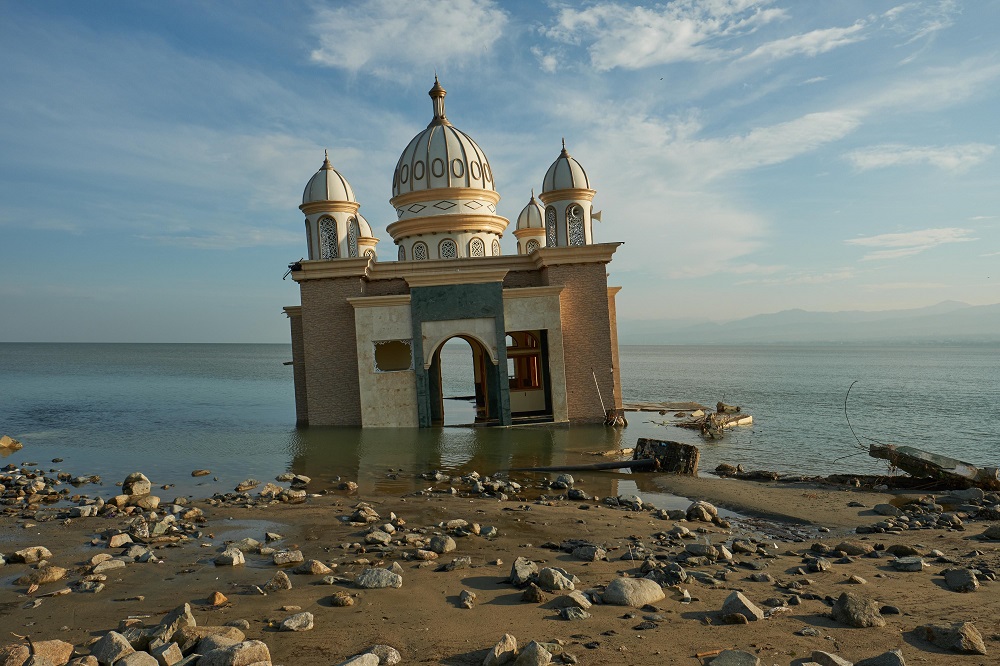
(752, 156)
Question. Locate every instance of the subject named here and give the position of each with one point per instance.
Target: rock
(85, 660)
(200, 472)
(288, 557)
(248, 484)
(57, 652)
(341, 599)
(503, 652)
(991, 533)
(890, 658)
(30, 555)
(533, 654)
(10, 444)
(702, 550)
(171, 622)
(552, 579)
(111, 647)
(217, 599)
(442, 544)
(279, 581)
(634, 592)
(230, 557)
(908, 564)
(138, 659)
(737, 603)
(167, 654)
(47, 574)
(573, 613)
(887, 510)
(961, 580)
(857, 611)
(902, 550)
(702, 511)
(735, 658)
(366, 659)
(313, 568)
(387, 655)
(854, 549)
(108, 565)
(573, 599)
(136, 483)
(241, 654)
(961, 637)
(371, 579)
(119, 540)
(532, 594)
(466, 599)
(298, 622)
(522, 571)
(590, 553)
(828, 659)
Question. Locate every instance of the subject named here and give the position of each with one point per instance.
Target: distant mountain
(948, 321)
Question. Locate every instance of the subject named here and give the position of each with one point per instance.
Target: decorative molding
(292, 311)
(529, 232)
(450, 276)
(533, 292)
(330, 207)
(453, 223)
(379, 301)
(441, 193)
(332, 268)
(569, 194)
(613, 291)
(574, 254)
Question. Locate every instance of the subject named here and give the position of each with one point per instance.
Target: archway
(460, 375)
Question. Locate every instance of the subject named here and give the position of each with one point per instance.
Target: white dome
(441, 156)
(532, 216)
(565, 174)
(328, 185)
(364, 228)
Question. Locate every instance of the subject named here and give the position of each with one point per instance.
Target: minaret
(568, 202)
(334, 228)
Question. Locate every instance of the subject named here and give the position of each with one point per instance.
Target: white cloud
(916, 21)
(815, 79)
(809, 44)
(684, 30)
(548, 61)
(389, 38)
(909, 243)
(950, 158)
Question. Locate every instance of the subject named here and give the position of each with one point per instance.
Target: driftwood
(723, 408)
(925, 464)
(650, 455)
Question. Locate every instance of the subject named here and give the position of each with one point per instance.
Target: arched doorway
(460, 375)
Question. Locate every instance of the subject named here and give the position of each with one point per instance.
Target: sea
(169, 409)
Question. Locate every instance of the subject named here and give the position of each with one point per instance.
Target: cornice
(379, 301)
(316, 269)
(470, 275)
(438, 224)
(330, 207)
(569, 194)
(532, 292)
(293, 310)
(530, 231)
(599, 253)
(439, 193)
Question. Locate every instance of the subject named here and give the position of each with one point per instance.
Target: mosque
(367, 337)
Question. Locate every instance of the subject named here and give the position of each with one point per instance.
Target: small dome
(327, 185)
(532, 216)
(441, 156)
(363, 227)
(565, 174)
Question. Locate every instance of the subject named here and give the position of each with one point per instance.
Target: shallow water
(166, 410)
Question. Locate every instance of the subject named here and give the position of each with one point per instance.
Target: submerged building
(367, 337)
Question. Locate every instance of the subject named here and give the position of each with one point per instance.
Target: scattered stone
(387, 655)
(442, 544)
(634, 592)
(573, 613)
(533, 654)
(30, 555)
(908, 564)
(533, 594)
(136, 483)
(201, 472)
(466, 599)
(890, 658)
(341, 599)
(887, 510)
(735, 658)
(857, 611)
(552, 579)
(245, 652)
(167, 654)
(287, 557)
(736, 603)
(230, 557)
(522, 571)
(137, 659)
(111, 647)
(9, 443)
(56, 652)
(313, 568)
(961, 637)
(371, 579)
(298, 622)
(590, 553)
(42, 576)
(503, 652)
(702, 511)
(828, 659)
(961, 580)
(279, 581)
(217, 599)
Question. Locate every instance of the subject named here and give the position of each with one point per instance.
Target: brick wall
(299, 370)
(330, 351)
(587, 339)
(521, 279)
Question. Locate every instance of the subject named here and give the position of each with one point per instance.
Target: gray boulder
(634, 592)
(961, 637)
(857, 611)
(111, 647)
(735, 658)
(247, 652)
(533, 654)
(737, 603)
(503, 652)
(372, 579)
(522, 571)
(961, 580)
(890, 658)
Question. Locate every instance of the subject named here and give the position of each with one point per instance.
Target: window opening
(328, 238)
(393, 355)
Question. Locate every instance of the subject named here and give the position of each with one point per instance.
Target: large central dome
(444, 195)
(441, 156)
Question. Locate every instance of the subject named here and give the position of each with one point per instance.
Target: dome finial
(564, 153)
(437, 94)
(326, 160)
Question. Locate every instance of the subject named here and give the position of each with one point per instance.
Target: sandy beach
(425, 620)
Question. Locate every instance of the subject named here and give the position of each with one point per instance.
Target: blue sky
(752, 156)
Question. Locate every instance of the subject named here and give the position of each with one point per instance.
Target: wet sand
(425, 622)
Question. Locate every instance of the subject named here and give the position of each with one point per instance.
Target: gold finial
(326, 160)
(437, 94)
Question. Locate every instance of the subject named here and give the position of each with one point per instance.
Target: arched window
(419, 251)
(574, 226)
(448, 249)
(328, 239)
(531, 246)
(401, 255)
(496, 248)
(477, 248)
(352, 237)
(551, 239)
